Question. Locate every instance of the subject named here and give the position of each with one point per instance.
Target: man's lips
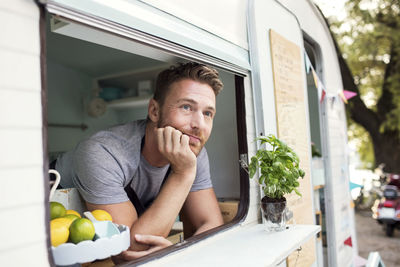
(193, 139)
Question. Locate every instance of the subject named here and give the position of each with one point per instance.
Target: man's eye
(186, 107)
(208, 113)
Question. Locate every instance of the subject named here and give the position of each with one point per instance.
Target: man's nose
(197, 120)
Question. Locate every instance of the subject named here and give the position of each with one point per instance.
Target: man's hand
(154, 242)
(174, 146)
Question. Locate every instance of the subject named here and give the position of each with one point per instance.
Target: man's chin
(196, 149)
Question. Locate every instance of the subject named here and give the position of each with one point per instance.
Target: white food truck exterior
(246, 38)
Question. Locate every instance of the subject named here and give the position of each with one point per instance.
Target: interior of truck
(97, 79)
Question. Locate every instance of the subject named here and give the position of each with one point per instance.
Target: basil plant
(279, 168)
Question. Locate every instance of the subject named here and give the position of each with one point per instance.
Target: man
(145, 172)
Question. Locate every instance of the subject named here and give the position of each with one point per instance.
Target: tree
(369, 55)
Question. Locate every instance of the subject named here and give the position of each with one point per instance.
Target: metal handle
(56, 183)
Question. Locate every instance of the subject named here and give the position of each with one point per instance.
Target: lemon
(59, 231)
(102, 215)
(62, 220)
(70, 217)
(81, 229)
(56, 210)
(73, 212)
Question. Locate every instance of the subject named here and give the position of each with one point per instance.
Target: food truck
(70, 68)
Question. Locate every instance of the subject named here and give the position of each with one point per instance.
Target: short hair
(182, 71)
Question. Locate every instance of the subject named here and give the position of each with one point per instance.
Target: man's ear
(154, 110)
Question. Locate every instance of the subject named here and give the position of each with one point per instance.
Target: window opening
(93, 86)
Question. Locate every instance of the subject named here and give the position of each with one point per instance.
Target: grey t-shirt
(102, 165)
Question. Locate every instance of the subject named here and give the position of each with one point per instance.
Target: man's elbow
(214, 221)
(218, 221)
(209, 224)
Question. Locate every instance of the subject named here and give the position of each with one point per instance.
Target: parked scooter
(387, 212)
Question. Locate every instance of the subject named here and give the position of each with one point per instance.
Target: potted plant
(279, 173)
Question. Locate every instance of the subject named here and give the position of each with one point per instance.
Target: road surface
(371, 237)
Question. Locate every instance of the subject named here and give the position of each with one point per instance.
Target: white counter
(242, 246)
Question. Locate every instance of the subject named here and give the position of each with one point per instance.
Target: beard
(196, 147)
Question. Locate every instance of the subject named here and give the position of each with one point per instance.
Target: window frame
(326, 190)
(181, 52)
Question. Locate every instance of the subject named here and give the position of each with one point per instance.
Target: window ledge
(242, 246)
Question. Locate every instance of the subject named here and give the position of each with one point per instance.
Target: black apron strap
(166, 176)
(140, 209)
(134, 199)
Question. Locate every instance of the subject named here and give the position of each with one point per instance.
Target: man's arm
(201, 209)
(122, 213)
(158, 219)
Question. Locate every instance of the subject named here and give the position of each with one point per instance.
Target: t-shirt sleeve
(203, 176)
(97, 174)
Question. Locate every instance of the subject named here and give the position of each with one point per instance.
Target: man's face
(190, 108)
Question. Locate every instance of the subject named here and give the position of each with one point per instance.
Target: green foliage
(369, 38)
(366, 39)
(362, 140)
(279, 168)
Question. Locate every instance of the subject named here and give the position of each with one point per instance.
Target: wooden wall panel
(288, 74)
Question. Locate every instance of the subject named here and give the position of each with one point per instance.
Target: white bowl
(88, 251)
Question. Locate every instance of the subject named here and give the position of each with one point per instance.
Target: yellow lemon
(73, 212)
(64, 220)
(81, 229)
(70, 217)
(102, 215)
(59, 231)
(56, 210)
